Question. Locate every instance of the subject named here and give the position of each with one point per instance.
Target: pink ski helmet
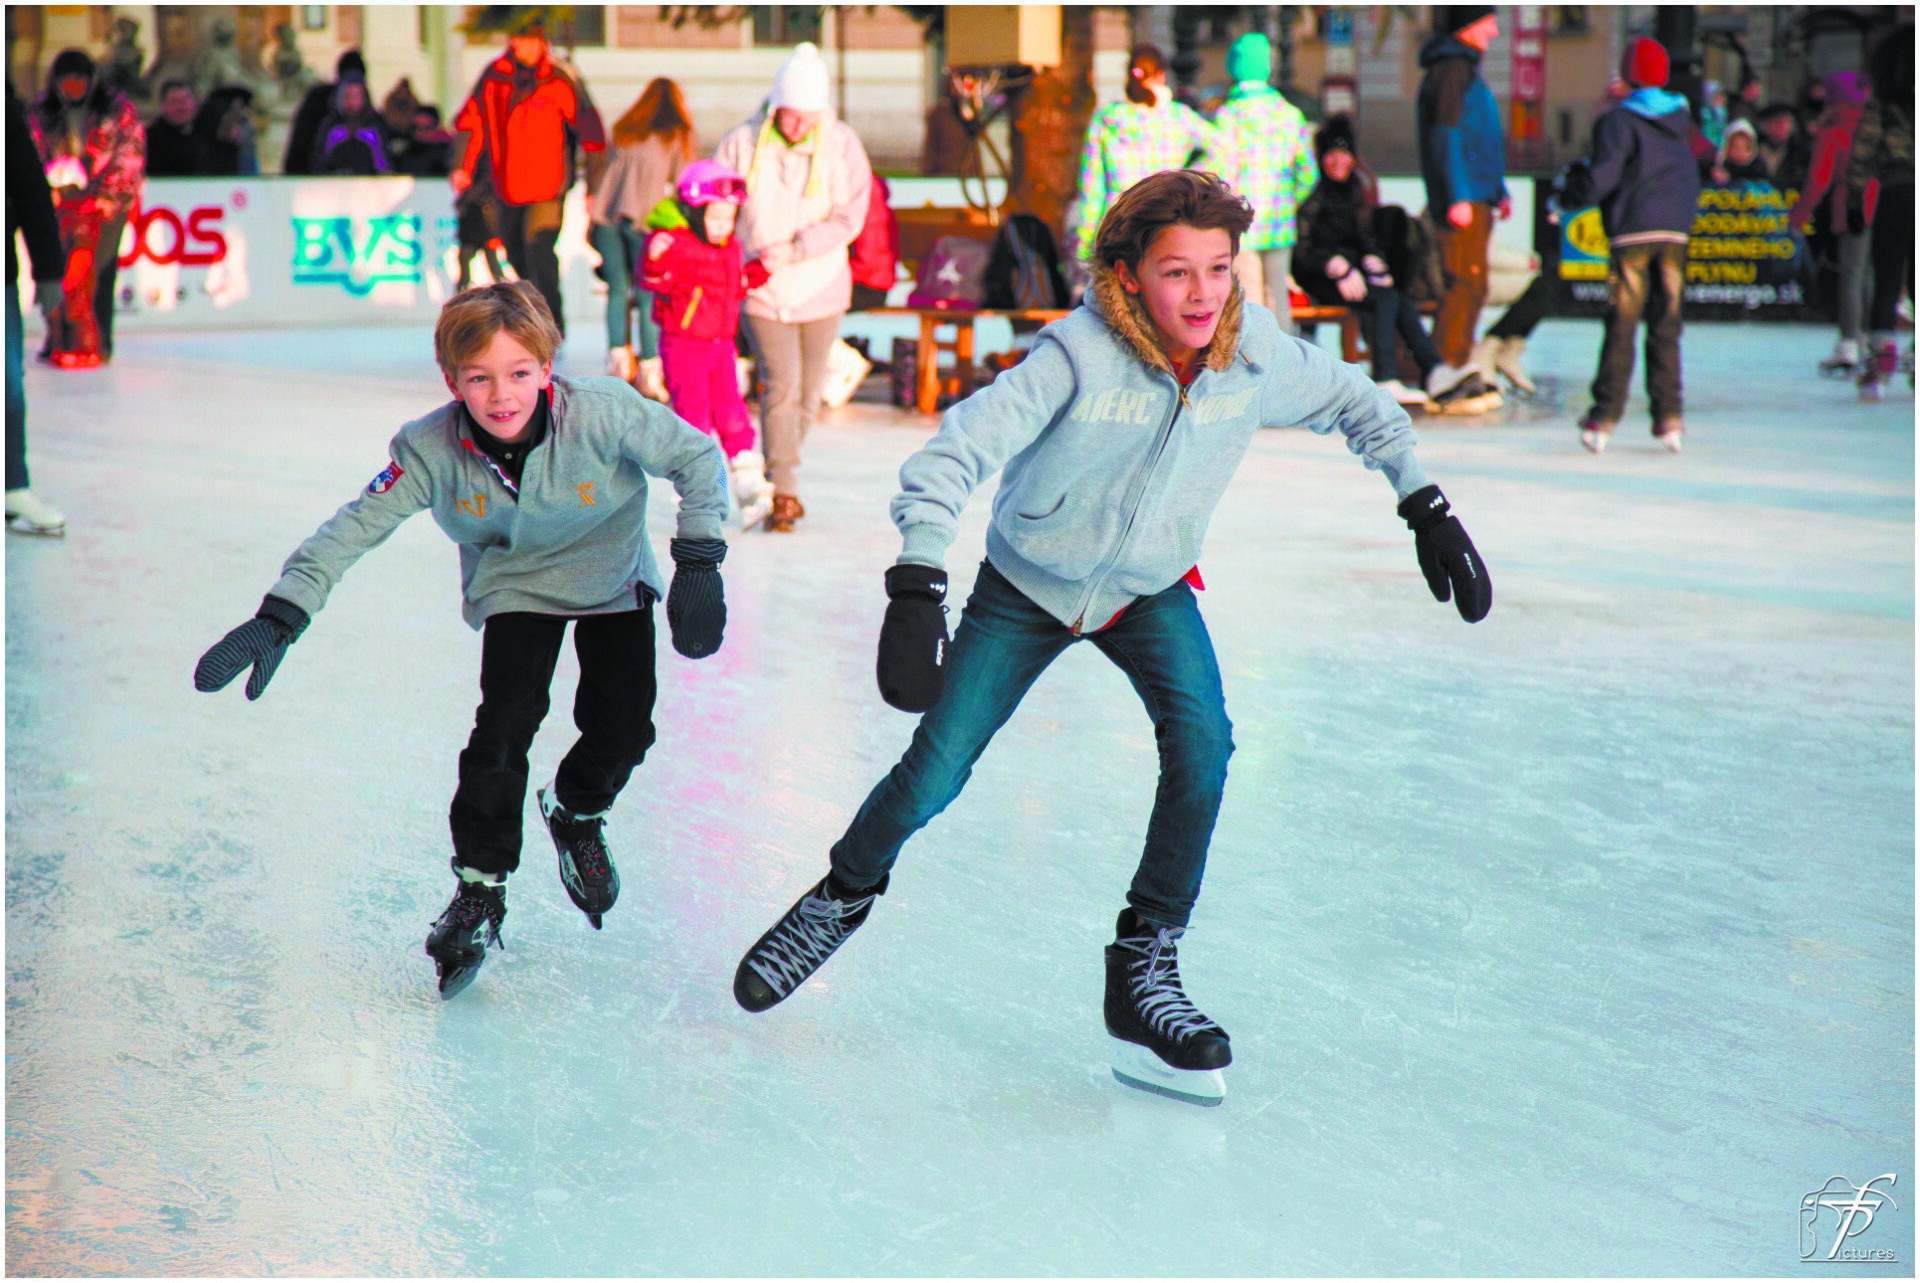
(706, 181)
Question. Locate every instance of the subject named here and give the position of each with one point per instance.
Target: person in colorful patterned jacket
(696, 276)
(1263, 149)
(1126, 141)
(94, 149)
(525, 114)
(542, 482)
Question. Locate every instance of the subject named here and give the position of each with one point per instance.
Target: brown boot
(786, 511)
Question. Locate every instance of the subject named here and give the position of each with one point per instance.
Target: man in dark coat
(172, 150)
(313, 109)
(30, 215)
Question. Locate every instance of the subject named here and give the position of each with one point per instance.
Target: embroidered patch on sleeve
(384, 482)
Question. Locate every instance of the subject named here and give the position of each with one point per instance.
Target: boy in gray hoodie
(1115, 439)
(542, 482)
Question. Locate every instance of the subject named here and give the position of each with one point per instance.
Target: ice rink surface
(1577, 941)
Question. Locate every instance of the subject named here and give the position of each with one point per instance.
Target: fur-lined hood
(1128, 319)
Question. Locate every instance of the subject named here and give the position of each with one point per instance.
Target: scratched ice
(1577, 941)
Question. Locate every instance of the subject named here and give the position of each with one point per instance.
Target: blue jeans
(16, 392)
(621, 248)
(1002, 645)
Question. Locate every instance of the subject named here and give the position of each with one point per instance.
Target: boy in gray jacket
(542, 482)
(1115, 439)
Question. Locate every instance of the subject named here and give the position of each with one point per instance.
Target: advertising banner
(216, 253)
(1743, 257)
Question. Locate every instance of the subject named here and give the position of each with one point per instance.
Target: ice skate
(752, 492)
(621, 363)
(1412, 398)
(650, 380)
(27, 514)
(1877, 370)
(1669, 432)
(1594, 434)
(1506, 359)
(460, 935)
(1844, 363)
(1164, 1044)
(1459, 390)
(586, 866)
(806, 936)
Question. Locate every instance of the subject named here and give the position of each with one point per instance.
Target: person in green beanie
(1264, 151)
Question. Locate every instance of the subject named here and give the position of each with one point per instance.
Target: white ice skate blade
(1137, 1067)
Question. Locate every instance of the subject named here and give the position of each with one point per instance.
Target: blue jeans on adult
(621, 247)
(1002, 645)
(16, 392)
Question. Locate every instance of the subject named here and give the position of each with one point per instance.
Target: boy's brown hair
(472, 317)
(1160, 200)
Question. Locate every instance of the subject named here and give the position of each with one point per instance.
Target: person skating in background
(1642, 175)
(1824, 198)
(94, 150)
(1126, 141)
(525, 115)
(172, 150)
(477, 225)
(542, 482)
(1337, 262)
(1164, 373)
(352, 138)
(1880, 186)
(696, 277)
(1261, 147)
(652, 143)
(808, 186)
(1463, 163)
(30, 220)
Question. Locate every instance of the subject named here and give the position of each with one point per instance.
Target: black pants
(530, 233)
(613, 708)
(1643, 281)
(1527, 311)
(1392, 313)
(1892, 256)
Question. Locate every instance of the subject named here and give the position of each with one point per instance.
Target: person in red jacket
(525, 114)
(699, 276)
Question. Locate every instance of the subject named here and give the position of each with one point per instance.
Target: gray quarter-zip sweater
(574, 540)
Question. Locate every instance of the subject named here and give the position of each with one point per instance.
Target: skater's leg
(1626, 299)
(1382, 308)
(683, 364)
(1001, 646)
(107, 278)
(16, 391)
(616, 269)
(1419, 343)
(1162, 645)
(776, 346)
(731, 422)
(613, 708)
(1666, 271)
(1855, 277)
(517, 655)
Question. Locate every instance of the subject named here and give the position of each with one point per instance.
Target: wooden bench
(959, 341)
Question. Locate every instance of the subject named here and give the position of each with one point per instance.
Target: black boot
(460, 936)
(818, 923)
(586, 866)
(1146, 1005)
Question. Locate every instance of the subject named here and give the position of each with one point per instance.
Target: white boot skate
(650, 380)
(752, 492)
(620, 363)
(29, 515)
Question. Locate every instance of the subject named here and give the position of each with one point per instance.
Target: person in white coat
(808, 182)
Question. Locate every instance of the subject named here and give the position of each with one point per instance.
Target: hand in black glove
(1448, 558)
(696, 603)
(913, 638)
(261, 642)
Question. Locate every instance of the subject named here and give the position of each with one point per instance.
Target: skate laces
(586, 845)
(1155, 982)
(803, 940)
(476, 901)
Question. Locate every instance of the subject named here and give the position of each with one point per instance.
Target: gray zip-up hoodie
(574, 539)
(1111, 470)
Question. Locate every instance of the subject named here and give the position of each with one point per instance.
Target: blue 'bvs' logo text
(360, 253)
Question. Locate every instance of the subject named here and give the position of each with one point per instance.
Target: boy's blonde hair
(472, 317)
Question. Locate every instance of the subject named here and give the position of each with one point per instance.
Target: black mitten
(1448, 558)
(913, 638)
(696, 603)
(260, 642)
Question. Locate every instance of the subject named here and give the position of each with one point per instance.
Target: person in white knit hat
(808, 182)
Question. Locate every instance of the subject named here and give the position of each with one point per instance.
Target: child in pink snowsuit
(699, 276)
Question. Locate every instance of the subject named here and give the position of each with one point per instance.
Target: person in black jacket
(313, 109)
(172, 150)
(30, 215)
(1642, 175)
(1336, 261)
